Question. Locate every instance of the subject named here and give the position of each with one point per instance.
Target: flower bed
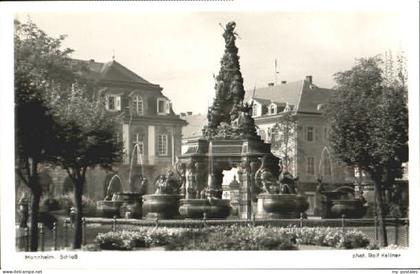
(231, 238)
(332, 237)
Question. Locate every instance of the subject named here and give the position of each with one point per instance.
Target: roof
(312, 98)
(262, 101)
(194, 126)
(112, 71)
(278, 104)
(302, 94)
(285, 93)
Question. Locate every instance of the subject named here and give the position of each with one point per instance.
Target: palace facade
(150, 130)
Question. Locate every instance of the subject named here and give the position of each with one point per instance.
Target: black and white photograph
(215, 135)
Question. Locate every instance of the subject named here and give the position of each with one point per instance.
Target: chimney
(189, 113)
(309, 79)
(92, 61)
(182, 114)
(271, 84)
(283, 82)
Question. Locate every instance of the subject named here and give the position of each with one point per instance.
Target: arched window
(272, 109)
(327, 165)
(138, 105)
(325, 169)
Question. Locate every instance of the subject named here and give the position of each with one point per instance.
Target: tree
(40, 65)
(283, 139)
(369, 124)
(84, 137)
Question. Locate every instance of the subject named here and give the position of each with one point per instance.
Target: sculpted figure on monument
(191, 183)
(265, 180)
(181, 171)
(245, 122)
(219, 89)
(229, 34)
(288, 183)
(168, 184)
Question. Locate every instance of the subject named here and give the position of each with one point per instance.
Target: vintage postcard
(209, 135)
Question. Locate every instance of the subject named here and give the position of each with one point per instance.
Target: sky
(181, 51)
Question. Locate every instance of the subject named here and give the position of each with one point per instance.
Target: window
(326, 134)
(272, 109)
(310, 134)
(262, 134)
(310, 196)
(254, 110)
(113, 102)
(327, 166)
(317, 134)
(138, 105)
(162, 106)
(310, 165)
(163, 145)
(269, 134)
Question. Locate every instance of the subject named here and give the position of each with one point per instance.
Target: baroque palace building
(148, 123)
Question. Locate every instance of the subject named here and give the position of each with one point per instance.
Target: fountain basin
(123, 204)
(352, 208)
(161, 206)
(109, 209)
(195, 208)
(281, 206)
(132, 206)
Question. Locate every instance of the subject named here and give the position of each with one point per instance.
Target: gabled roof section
(313, 96)
(285, 93)
(194, 126)
(302, 95)
(114, 71)
(261, 101)
(110, 71)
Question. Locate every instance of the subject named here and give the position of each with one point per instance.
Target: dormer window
(273, 109)
(113, 102)
(288, 108)
(138, 105)
(162, 106)
(254, 110)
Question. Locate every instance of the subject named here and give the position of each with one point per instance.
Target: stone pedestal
(161, 206)
(223, 155)
(195, 208)
(280, 206)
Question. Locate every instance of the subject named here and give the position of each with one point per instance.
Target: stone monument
(229, 140)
